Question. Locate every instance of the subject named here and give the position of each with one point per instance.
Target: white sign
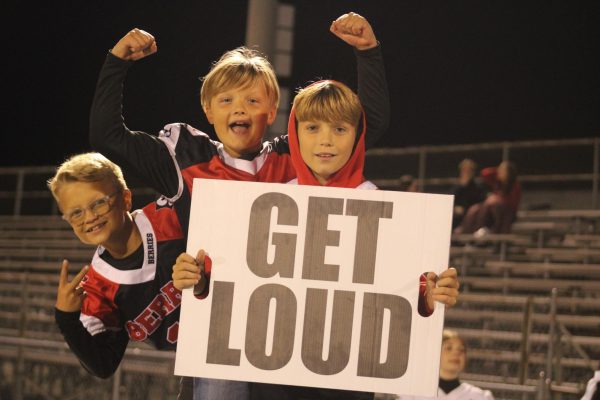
(315, 286)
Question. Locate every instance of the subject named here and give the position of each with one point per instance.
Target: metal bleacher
(530, 301)
(529, 305)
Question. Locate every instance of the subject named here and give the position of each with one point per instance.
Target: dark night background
(458, 71)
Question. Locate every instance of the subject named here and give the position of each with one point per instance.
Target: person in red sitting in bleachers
(499, 210)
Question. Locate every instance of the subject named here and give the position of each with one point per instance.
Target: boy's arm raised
(135, 45)
(99, 354)
(355, 30)
(137, 152)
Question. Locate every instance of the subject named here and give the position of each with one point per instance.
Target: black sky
(458, 71)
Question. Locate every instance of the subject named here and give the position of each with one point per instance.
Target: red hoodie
(349, 176)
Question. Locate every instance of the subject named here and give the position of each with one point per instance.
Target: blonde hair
(467, 163)
(241, 67)
(86, 167)
(328, 101)
(450, 334)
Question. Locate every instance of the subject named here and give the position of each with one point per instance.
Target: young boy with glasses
(126, 293)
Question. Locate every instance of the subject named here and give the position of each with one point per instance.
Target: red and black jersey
(128, 299)
(197, 156)
(136, 293)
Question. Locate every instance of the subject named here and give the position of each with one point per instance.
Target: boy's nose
(325, 138)
(239, 107)
(89, 216)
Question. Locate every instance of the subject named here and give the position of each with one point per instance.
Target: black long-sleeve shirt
(99, 354)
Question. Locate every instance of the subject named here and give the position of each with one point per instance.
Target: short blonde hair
(328, 101)
(450, 334)
(239, 68)
(467, 163)
(87, 167)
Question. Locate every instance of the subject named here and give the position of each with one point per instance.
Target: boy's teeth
(95, 228)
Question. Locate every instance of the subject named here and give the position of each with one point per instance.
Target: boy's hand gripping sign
(315, 286)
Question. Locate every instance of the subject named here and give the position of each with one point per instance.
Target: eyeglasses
(97, 207)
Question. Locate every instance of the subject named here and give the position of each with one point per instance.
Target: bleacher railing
(544, 162)
(540, 163)
(23, 191)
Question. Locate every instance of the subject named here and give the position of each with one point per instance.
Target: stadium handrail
(19, 186)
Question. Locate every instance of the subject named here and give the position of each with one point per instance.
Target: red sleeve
(99, 303)
(424, 309)
(203, 291)
(490, 176)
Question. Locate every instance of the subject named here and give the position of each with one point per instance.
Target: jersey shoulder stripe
(188, 145)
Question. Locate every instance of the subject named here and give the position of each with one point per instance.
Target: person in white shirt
(453, 360)
(592, 392)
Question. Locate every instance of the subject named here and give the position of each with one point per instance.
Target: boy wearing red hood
(326, 131)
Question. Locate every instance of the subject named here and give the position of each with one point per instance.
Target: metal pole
(19, 193)
(595, 173)
(422, 168)
(261, 25)
(20, 380)
(505, 151)
(542, 391)
(116, 384)
(557, 367)
(525, 343)
(551, 335)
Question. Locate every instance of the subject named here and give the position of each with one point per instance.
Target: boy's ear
(209, 114)
(272, 115)
(127, 199)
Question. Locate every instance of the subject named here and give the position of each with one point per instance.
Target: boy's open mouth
(239, 127)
